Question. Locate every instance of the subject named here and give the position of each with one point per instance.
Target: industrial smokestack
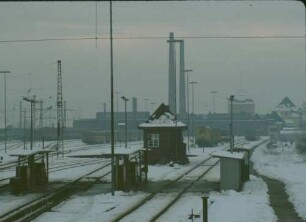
(172, 74)
(182, 87)
(134, 102)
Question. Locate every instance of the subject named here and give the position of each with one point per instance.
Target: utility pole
(213, 97)
(112, 94)
(231, 125)
(41, 120)
(41, 114)
(65, 113)
(32, 101)
(5, 132)
(125, 120)
(187, 85)
(34, 113)
(193, 83)
(116, 118)
(182, 92)
(24, 126)
(104, 110)
(24, 119)
(33, 117)
(59, 103)
(20, 115)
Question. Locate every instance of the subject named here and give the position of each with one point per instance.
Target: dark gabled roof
(286, 102)
(162, 117)
(162, 110)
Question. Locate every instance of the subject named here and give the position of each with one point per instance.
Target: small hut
(163, 137)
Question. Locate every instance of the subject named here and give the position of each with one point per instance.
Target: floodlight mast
(112, 95)
(125, 119)
(193, 129)
(5, 132)
(231, 124)
(187, 71)
(32, 101)
(213, 97)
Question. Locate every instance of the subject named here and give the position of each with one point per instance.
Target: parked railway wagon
(100, 137)
(251, 135)
(207, 137)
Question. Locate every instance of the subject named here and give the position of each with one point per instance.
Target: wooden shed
(163, 137)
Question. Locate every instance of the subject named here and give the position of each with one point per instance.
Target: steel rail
(154, 193)
(178, 196)
(34, 208)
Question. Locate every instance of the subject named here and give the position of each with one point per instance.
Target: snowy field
(285, 164)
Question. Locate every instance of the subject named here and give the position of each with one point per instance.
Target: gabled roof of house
(162, 117)
(286, 102)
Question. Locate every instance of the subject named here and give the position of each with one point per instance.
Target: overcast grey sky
(270, 68)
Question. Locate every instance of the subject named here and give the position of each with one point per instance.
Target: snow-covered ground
(285, 164)
(249, 205)
(252, 204)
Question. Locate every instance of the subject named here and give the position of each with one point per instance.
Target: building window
(153, 140)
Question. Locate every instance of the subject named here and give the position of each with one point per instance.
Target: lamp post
(5, 135)
(187, 91)
(213, 97)
(192, 84)
(116, 117)
(112, 95)
(125, 120)
(32, 101)
(231, 124)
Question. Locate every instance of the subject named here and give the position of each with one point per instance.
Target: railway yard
(79, 190)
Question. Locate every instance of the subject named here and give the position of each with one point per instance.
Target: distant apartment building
(242, 104)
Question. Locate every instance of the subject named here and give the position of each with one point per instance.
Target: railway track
(12, 164)
(56, 168)
(167, 195)
(36, 207)
(12, 146)
(33, 209)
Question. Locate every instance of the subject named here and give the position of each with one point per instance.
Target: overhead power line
(154, 37)
(34, 70)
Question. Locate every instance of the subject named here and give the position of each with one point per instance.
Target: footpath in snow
(283, 165)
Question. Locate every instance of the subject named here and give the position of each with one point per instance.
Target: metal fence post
(205, 208)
